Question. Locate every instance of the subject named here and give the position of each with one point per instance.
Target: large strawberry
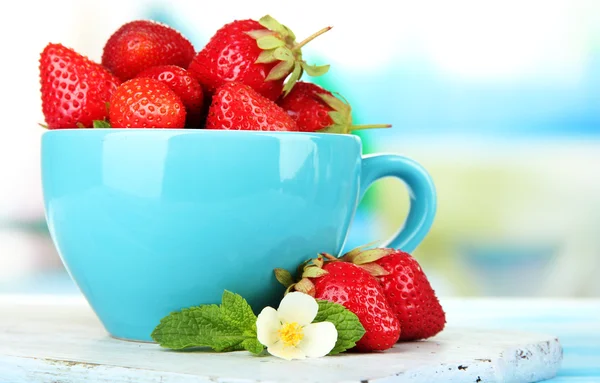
(184, 85)
(407, 289)
(74, 89)
(317, 110)
(237, 106)
(146, 103)
(141, 44)
(354, 288)
(260, 54)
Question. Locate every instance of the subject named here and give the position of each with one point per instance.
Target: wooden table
(58, 339)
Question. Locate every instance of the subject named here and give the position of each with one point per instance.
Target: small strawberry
(407, 290)
(317, 110)
(355, 289)
(184, 85)
(146, 103)
(237, 106)
(260, 54)
(141, 44)
(74, 89)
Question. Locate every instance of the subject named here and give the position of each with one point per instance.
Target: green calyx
(312, 268)
(342, 116)
(365, 258)
(278, 43)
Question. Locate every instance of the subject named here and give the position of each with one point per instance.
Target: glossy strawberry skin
(184, 85)
(305, 107)
(411, 296)
(146, 103)
(142, 44)
(359, 292)
(237, 106)
(230, 56)
(74, 89)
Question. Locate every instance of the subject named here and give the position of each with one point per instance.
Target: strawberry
(355, 289)
(260, 54)
(74, 89)
(237, 106)
(184, 85)
(141, 44)
(146, 103)
(407, 290)
(317, 110)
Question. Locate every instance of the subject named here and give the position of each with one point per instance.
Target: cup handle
(420, 188)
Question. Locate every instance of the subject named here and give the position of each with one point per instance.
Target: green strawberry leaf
(280, 70)
(349, 328)
(43, 125)
(259, 33)
(284, 277)
(269, 42)
(315, 70)
(228, 327)
(101, 124)
(266, 57)
(270, 23)
(294, 77)
(283, 54)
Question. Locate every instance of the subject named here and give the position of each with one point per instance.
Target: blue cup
(151, 221)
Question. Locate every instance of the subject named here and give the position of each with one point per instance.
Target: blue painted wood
(575, 322)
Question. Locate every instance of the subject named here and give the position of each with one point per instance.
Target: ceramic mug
(151, 221)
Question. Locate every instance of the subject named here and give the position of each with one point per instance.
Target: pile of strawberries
(386, 289)
(245, 78)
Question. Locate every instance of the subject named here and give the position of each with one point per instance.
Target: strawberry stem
(375, 126)
(310, 38)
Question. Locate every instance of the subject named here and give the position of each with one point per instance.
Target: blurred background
(499, 100)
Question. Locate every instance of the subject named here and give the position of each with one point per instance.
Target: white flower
(288, 332)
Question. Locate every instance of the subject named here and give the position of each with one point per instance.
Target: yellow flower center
(291, 334)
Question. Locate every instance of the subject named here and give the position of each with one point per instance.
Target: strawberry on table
(357, 290)
(260, 54)
(237, 106)
(407, 289)
(74, 89)
(146, 103)
(317, 110)
(141, 44)
(184, 85)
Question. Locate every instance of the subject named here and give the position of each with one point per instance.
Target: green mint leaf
(253, 345)
(101, 124)
(228, 327)
(238, 312)
(346, 323)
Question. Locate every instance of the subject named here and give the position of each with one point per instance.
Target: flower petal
(267, 325)
(319, 339)
(286, 352)
(298, 307)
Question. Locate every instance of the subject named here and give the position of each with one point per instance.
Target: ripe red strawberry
(358, 291)
(184, 85)
(317, 110)
(141, 44)
(146, 103)
(74, 89)
(407, 289)
(236, 106)
(260, 54)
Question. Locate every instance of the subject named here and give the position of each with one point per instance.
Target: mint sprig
(231, 326)
(228, 327)
(348, 327)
